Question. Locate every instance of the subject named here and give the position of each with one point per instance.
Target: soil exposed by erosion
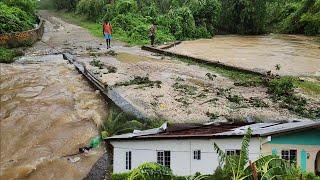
(296, 55)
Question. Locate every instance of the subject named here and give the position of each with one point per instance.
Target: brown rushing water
(297, 55)
(47, 111)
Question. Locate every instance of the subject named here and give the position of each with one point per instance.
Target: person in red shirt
(107, 31)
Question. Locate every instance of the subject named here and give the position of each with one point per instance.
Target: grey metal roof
(137, 133)
(258, 129)
(266, 129)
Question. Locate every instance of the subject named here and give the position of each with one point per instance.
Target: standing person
(107, 31)
(152, 34)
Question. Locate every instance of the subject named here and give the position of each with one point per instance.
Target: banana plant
(200, 177)
(272, 167)
(237, 164)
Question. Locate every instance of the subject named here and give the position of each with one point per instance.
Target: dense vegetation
(8, 55)
(17, 15)
(187, 19)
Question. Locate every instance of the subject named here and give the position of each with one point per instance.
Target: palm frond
(118, 123)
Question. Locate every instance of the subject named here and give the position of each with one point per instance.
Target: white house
(188, 148)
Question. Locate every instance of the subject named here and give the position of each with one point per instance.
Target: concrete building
(188, 148)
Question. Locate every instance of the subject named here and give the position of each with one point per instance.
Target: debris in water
(74, 160)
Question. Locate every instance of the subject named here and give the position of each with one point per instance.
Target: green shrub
(309, 176)
(126, 6)
(282, 90)
(45, 4)
(243, 16)
(312, 23)
(182, 24)
(65, 4)
(151, 10)
(152, 171)
(13, 19)
(92, 9)
(7, 55)
(121, 176)
(281, 87)
(299, 17)
(206, 14)
(29, 6)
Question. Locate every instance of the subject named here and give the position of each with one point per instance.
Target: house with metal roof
(188, 148)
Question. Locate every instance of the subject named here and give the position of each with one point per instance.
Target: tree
(116, 123)
(243, 16)
(206, 14)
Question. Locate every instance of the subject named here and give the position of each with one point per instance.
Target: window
(163, 158)
(290, 156)
(197, 154)
(233, 152)
(128, 160)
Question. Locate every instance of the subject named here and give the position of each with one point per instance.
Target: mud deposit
(296, 55)
(47, 111)
(179, 92)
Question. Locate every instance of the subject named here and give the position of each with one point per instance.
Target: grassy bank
(92, 27)
(281, 90)
(246, 79)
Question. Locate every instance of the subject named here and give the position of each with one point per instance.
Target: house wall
(182, 162)
(309, 149)
(307, 144)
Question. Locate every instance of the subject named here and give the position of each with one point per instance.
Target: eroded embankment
(47, 111)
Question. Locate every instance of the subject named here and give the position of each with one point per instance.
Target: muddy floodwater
(47, 112)
(296, 55)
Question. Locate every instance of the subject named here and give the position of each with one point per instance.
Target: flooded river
(47, 111)
(296, 55)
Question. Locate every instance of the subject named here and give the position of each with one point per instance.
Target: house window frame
(289, 155)
(128, 160)
(197, 154)
(164, 158)
(233, 152)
